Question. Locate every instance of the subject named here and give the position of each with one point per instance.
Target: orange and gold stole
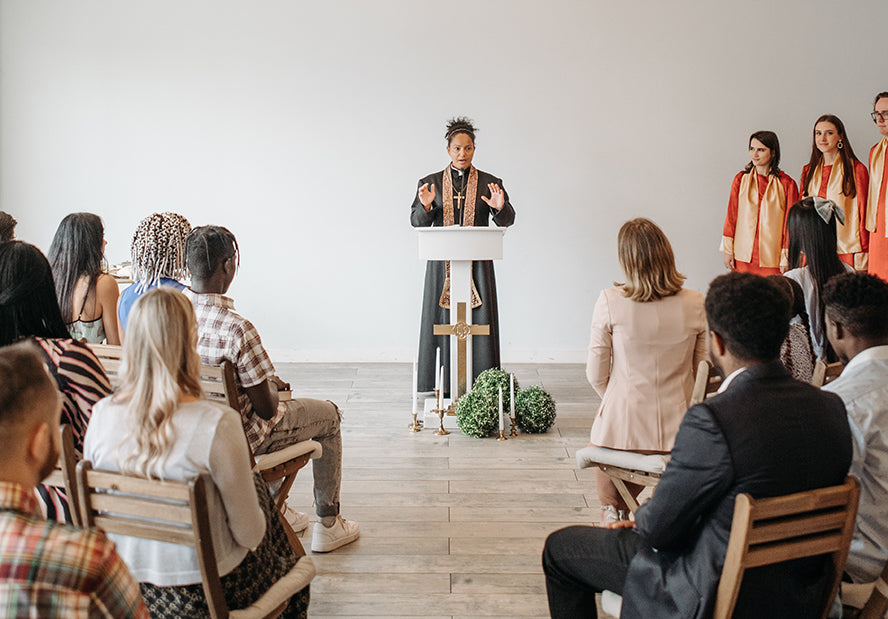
(848, 235)
(768, 220)
(877, 169)
(468, 219)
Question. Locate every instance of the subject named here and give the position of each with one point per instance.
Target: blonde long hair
(160, 364)
(647, 260)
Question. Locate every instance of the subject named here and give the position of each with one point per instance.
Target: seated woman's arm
(107, 294)
(598, 363)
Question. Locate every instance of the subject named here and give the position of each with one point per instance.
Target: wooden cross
(462, 331)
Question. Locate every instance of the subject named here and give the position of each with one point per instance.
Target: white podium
(460, 245)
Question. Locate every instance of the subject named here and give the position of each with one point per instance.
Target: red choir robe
(878, 242)
(856, 235)
(775, 238)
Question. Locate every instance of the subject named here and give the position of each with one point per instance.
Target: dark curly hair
(7, 226)
(207, 247)
(860, 302)
(749, 313)
(460, 124)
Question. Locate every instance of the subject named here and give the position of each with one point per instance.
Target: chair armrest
(593, 455)
(271, 460)
(280, 592)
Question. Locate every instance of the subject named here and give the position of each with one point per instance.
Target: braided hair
(158, 248)
(207, 247)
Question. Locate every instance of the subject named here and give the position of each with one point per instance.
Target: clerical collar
(457, 171)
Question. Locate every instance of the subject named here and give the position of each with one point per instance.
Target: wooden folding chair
(64, 476)
(109, 356)
(870, 600)
(176, 512)
(825, 373)
(706, 384)
(778, 529)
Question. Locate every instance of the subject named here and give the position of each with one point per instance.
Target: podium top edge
(474, 229)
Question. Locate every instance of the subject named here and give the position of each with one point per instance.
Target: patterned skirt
(244, 584)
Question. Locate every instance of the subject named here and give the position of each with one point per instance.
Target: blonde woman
(158, 426)
(648, 335)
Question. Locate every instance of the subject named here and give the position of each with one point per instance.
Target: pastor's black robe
(485, 348)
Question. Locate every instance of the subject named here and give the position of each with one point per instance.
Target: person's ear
(716, 343)
(39, 441)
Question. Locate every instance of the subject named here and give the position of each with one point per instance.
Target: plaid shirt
(224, 334)
(53, 570)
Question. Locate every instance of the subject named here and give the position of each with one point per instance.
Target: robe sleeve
(727, 242)
(803, 182)
(598, 363)
(419, 218)
(791, 190)
(506, 215)
(861, 180)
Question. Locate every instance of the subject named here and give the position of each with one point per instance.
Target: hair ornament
(827, 208)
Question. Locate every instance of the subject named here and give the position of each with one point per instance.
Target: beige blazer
(642, 359)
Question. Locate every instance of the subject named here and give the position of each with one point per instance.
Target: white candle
(512, 395)
(414, 388)
(441, 390)
(438, 384)
(501, 409)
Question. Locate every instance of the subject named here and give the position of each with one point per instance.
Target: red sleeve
(792, 196)
(861, 179)
(733, 201)
(803, 180)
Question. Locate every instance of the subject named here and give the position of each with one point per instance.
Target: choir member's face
(461, 150)
(759, 153)
(826, 137)
(882, 123)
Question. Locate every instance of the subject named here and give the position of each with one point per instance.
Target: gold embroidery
(468, 219)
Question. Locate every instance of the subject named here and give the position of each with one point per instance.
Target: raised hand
(497, 198)
(426, 195)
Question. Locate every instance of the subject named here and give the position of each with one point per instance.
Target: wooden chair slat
(156, 531)
(141, 507)
(171, 490)
(778, 553)
(785, 528)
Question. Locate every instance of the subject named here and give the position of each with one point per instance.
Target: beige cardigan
(642, 359)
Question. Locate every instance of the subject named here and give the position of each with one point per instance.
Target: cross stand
(462, 331)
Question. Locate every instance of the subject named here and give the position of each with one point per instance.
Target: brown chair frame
(65, 474)
(175, 512)
(777, 529)
(707, 382)
(825, 373)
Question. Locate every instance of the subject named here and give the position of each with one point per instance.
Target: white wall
(303, 127)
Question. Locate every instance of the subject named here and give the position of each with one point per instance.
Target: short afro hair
(206, 248)
(750, 313)
(858, 301)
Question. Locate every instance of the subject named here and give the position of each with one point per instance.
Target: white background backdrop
(303, 127)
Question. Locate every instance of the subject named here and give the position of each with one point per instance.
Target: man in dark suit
(764, 433)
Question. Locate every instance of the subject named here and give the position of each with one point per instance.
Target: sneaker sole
(329, 547)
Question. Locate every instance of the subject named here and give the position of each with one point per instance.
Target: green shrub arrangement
(534, 410)
(476, 411)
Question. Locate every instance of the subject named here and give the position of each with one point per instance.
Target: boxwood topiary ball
(534, 410)
(487, 385)
(475, 415)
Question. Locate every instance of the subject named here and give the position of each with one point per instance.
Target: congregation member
(459, 195)
(212, 259)
(764, 433)
(158, 255)
(796, 352)
(754, 235)
(86, 294)
(159, 426)
(7, 227)
(47, 570)
(648, 336)
(29, 310)
(834, 173)
(813, 260)
(857, 326)
(878, 184)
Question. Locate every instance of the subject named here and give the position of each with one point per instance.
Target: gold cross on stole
(463, 332)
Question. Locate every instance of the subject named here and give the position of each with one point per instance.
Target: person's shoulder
(690, 295)
(487, 177)
(431, 178)
(107, 285)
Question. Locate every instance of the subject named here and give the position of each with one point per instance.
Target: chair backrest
(166, 511)
(109, 356)
(777, 529)
(825, 373)
(707, 382)
(65, 475)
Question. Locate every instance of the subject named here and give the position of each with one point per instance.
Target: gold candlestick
(512, 421)
(439, 408)
(502, 437)
(416, 426)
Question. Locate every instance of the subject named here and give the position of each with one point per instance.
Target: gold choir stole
(877, 168)
(468, 219)
(848, 235)
(769, 222)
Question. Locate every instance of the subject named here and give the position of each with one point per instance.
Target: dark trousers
(581, 561)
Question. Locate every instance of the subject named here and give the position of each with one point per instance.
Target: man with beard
(764, 433)
(47, 569)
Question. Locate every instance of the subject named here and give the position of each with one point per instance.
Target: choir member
(878, 170)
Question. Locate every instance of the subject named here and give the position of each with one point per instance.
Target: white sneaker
(325, 539)
(609, 514)
(297, 520)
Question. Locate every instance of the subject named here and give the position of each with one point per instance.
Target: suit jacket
(642, 361)
(766, 434)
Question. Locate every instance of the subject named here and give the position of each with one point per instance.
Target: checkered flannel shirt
(53, 570)
(224, 334)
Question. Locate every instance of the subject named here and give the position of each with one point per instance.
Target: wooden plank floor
(451, 526)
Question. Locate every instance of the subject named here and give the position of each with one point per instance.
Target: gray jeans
(318, 420)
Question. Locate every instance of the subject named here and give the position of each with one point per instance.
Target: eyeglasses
(877, 115)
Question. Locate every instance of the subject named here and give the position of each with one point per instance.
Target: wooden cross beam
(462, 332)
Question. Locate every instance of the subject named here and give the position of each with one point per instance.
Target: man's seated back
(47, 569)
(856, 307)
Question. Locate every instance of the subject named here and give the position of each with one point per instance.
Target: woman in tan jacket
(648, 336)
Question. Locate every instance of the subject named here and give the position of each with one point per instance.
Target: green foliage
(475, 415)
(487, 385)
(534, 410)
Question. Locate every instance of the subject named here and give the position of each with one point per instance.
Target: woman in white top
(813, 259)
(157, 426)
(648, 336)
